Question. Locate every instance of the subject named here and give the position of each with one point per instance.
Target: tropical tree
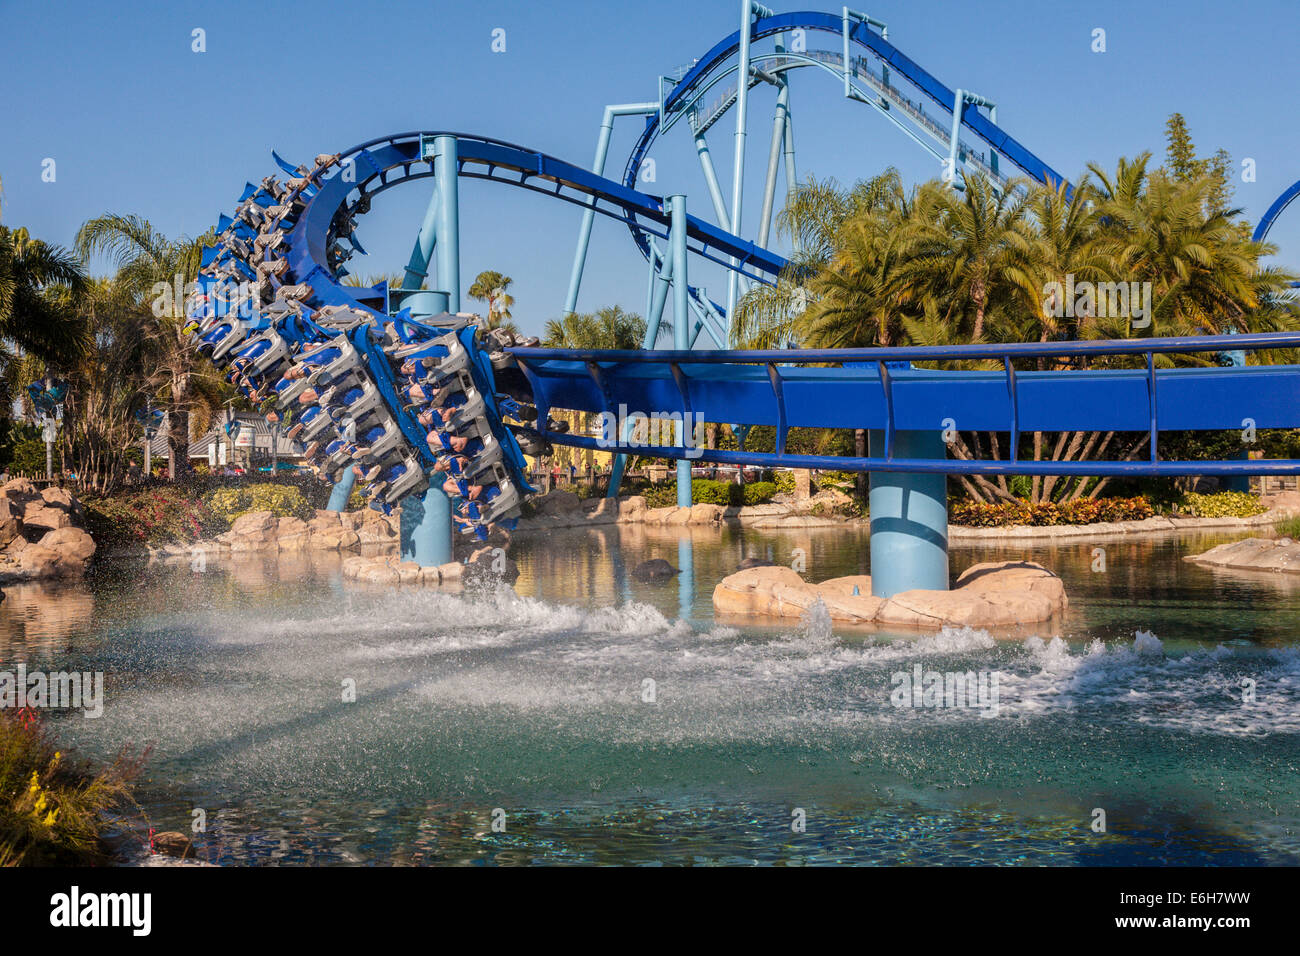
(112, 379)
(29, 320)
(814, 218)
(149, 266)
(491, 287)
(607, 328)
(877, 265)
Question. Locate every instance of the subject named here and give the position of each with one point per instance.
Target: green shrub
(29, 456)
(784, 481)
(1022, 512)
(756, 493)
(1223, 504)
(706, 491)
(283, 501)
(166, 514)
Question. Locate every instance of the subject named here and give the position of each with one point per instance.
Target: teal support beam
(589, 213)
(342, 491)
(424, 303)
(426, 521)
(773, 163)
(681, 327)
(448, 219)
(1237, 482)
(417, 269)
(656, 294)
(909, 518)
(655, 318)
(711, 181)
(738, 166)
(686, 579)
(426, 528)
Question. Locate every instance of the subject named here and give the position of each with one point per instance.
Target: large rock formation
(41, 534)
(997, 594)
(1253, 554)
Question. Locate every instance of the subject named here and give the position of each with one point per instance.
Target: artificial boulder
(40, 533)
(995, 594)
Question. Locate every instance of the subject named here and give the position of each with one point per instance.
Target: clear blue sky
(137, 123)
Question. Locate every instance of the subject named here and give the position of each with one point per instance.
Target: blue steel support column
(711, 180)
(589, 214)
(738, 167)
(417, 269)
(681, 330)
(342, 491)
(773, 161)
(448, 248)
(661, 270)
(426, 522)
(909, 518)
(686, 579)
(1237, 482)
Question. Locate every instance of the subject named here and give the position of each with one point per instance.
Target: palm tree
(1204, 272)
(145, 259)
(972, 244)
(607, 328)
(491, 287)
(29, 320)
(773, 316)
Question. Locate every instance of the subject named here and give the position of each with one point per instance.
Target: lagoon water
(530, 707)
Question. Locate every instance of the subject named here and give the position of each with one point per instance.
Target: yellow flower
(51, 817)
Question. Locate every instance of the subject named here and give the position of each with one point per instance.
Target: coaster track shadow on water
(397, 389)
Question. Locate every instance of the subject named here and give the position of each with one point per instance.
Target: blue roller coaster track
(400, 390)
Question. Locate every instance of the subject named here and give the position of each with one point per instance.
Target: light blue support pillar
(773, 162)
(426, 521)
(681, 329)
(659, 298)
(685, 580)
(417, 269)
(711, 180)
(448, 248)
(1237, 482)
(656, 295)
(342, 491)
(589, 214)
(909, 518)
(426, 528)
(738, 166)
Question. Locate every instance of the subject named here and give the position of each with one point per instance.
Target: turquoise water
(534, 704)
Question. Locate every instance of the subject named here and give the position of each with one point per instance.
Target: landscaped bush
(756, 493)
(1223, 504)
(52, 809)
(1023, 512)
(165, 514)
(705, 491)
(784, 481)
(227, 504)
